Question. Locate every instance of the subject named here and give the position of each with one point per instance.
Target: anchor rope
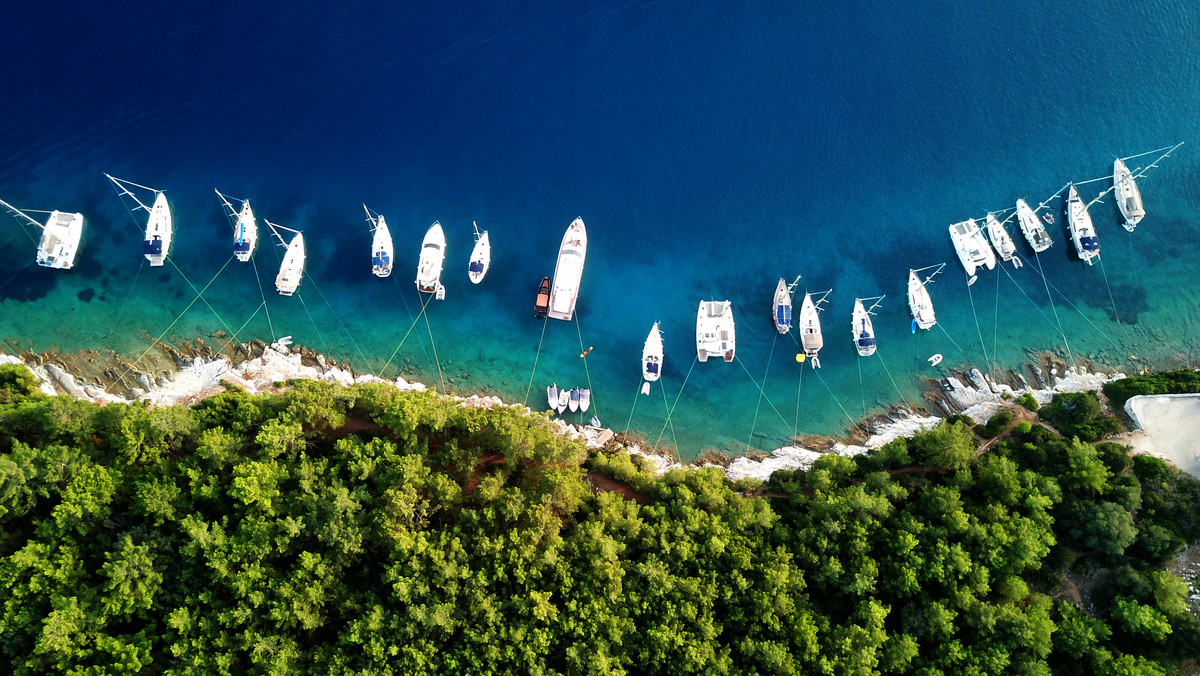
(996, 321)
(670, 422)
(1053, 307)
(1110, 295)
(586, 371)
(978, 331)
(849, 417)
(341, 323)
(406, 334)
(862, 395)
(14, 275)
(757, 406)
(964, 352)
(1081, 314)
(796, 421)
(200, 294)
(889, 375)
(671, 410)
(128, 293)
(633, 408)
(404, 299)
(433, 344)
(324, 345)
(536, 357)
(1053, 325)
(263, 295)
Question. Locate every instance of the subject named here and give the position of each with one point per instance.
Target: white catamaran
(972, 248)
(919, 301)
(60, 237)
(291, 270)
(1083, 233)
(1032, 228)
(381, 245)
(1129, 198)
(810, 327)
(861, 329)
(652, 358)
(481, 256)
(157, 242)
(433, 256)
(1002, 241)
(245, 228)
(715, 331)
(568, 272)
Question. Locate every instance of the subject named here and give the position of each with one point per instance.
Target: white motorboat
(861, 328)
(568, 272)
(245, 228)
(1129, 198)
(481, 256)
(1032, 228)
(382, 251)
(1002, 241)
(972, 248)
(60, 237)
(782, 305)
(585, 399)
(156, 245)
(652, 358)
(573, 402)
(1083, 233)
(715, 332)
(433, 256)
(919, 301)
(810, 327)
(552, 395)
(564, 398)
(291, 270)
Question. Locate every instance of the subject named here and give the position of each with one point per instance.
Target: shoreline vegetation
(322, 527)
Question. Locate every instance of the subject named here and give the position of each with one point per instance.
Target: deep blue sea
(711, 148)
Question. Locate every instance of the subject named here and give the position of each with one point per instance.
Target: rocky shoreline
(189, 372)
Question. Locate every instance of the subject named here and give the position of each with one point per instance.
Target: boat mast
(275, 232)
(120, 185)
(795, 282)
(818, 303)
(371, 218)
(933, 274)
(877, 299)
(17, 212)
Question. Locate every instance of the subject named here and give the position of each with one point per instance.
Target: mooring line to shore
(760, 389)
(760, 393)
(436, 360)
(670, 423)
(583, 355)
(345, 330)
(406, 334)
(862, 395)
(128, 293)
(996, 320)
(536, 357)
(324, 344)
(671, 410)
(1104, 272)
(14, 275)
(158, 340)
(263, 295)
(978, 330)
(633, 408)
(229, 341)
(964, 352)
(846, 413)
(889, 375)
(799, 386)
(1056, 324)
(1085, 317)
(200, 294)
(403, 299)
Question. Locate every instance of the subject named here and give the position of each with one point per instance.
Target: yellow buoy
(800, 357)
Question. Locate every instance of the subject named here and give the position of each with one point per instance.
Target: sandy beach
(1169, 428)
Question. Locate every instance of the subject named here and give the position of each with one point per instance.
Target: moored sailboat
(1129, 198)
(919, 301)
(1083, 233)
(1035, 233)
(60, 237)
(245, 227)
(652, 358)
(381, 244)
(972, 249)
(861, 328)
(159, 229)
(568, 272)
(481, 256)
(782, 305)
(1002, 241)
(810, 327)
(291, 270)
(433, 256)
(715, 330)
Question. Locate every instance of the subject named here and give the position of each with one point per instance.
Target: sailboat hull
(481, 259)
(291, 270)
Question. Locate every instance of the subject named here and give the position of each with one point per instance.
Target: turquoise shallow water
(709, 150)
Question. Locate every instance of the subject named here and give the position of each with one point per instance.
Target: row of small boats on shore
(574, 399)
(975, 251)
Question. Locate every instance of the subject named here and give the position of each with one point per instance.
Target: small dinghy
(552, 395)
(573, 402)
(481, 256)
(542, 305)
(245, 228)
(381, 245)
(585, 399)
(564, 398)
(935, 359)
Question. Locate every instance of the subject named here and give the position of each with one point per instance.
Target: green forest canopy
(367, 530)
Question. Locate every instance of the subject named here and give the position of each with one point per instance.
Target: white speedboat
(1129, 198)
(652, 358)
(585, 399)
(861, 328)
(481, 256)
(1083, 233)
(810, 327)
(972, 248)
(715, 333)
(564, 398)
(382, 251)
(919, 301)
(245, 228)
(60, 237)
(568, 272)
(291, 270)
(782, 305)
(157, 242)
(573, 402)
(1002, 241)
(1032, 228)
(433, 256)
(552, 395)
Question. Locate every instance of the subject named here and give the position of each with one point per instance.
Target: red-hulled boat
(543, 299)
